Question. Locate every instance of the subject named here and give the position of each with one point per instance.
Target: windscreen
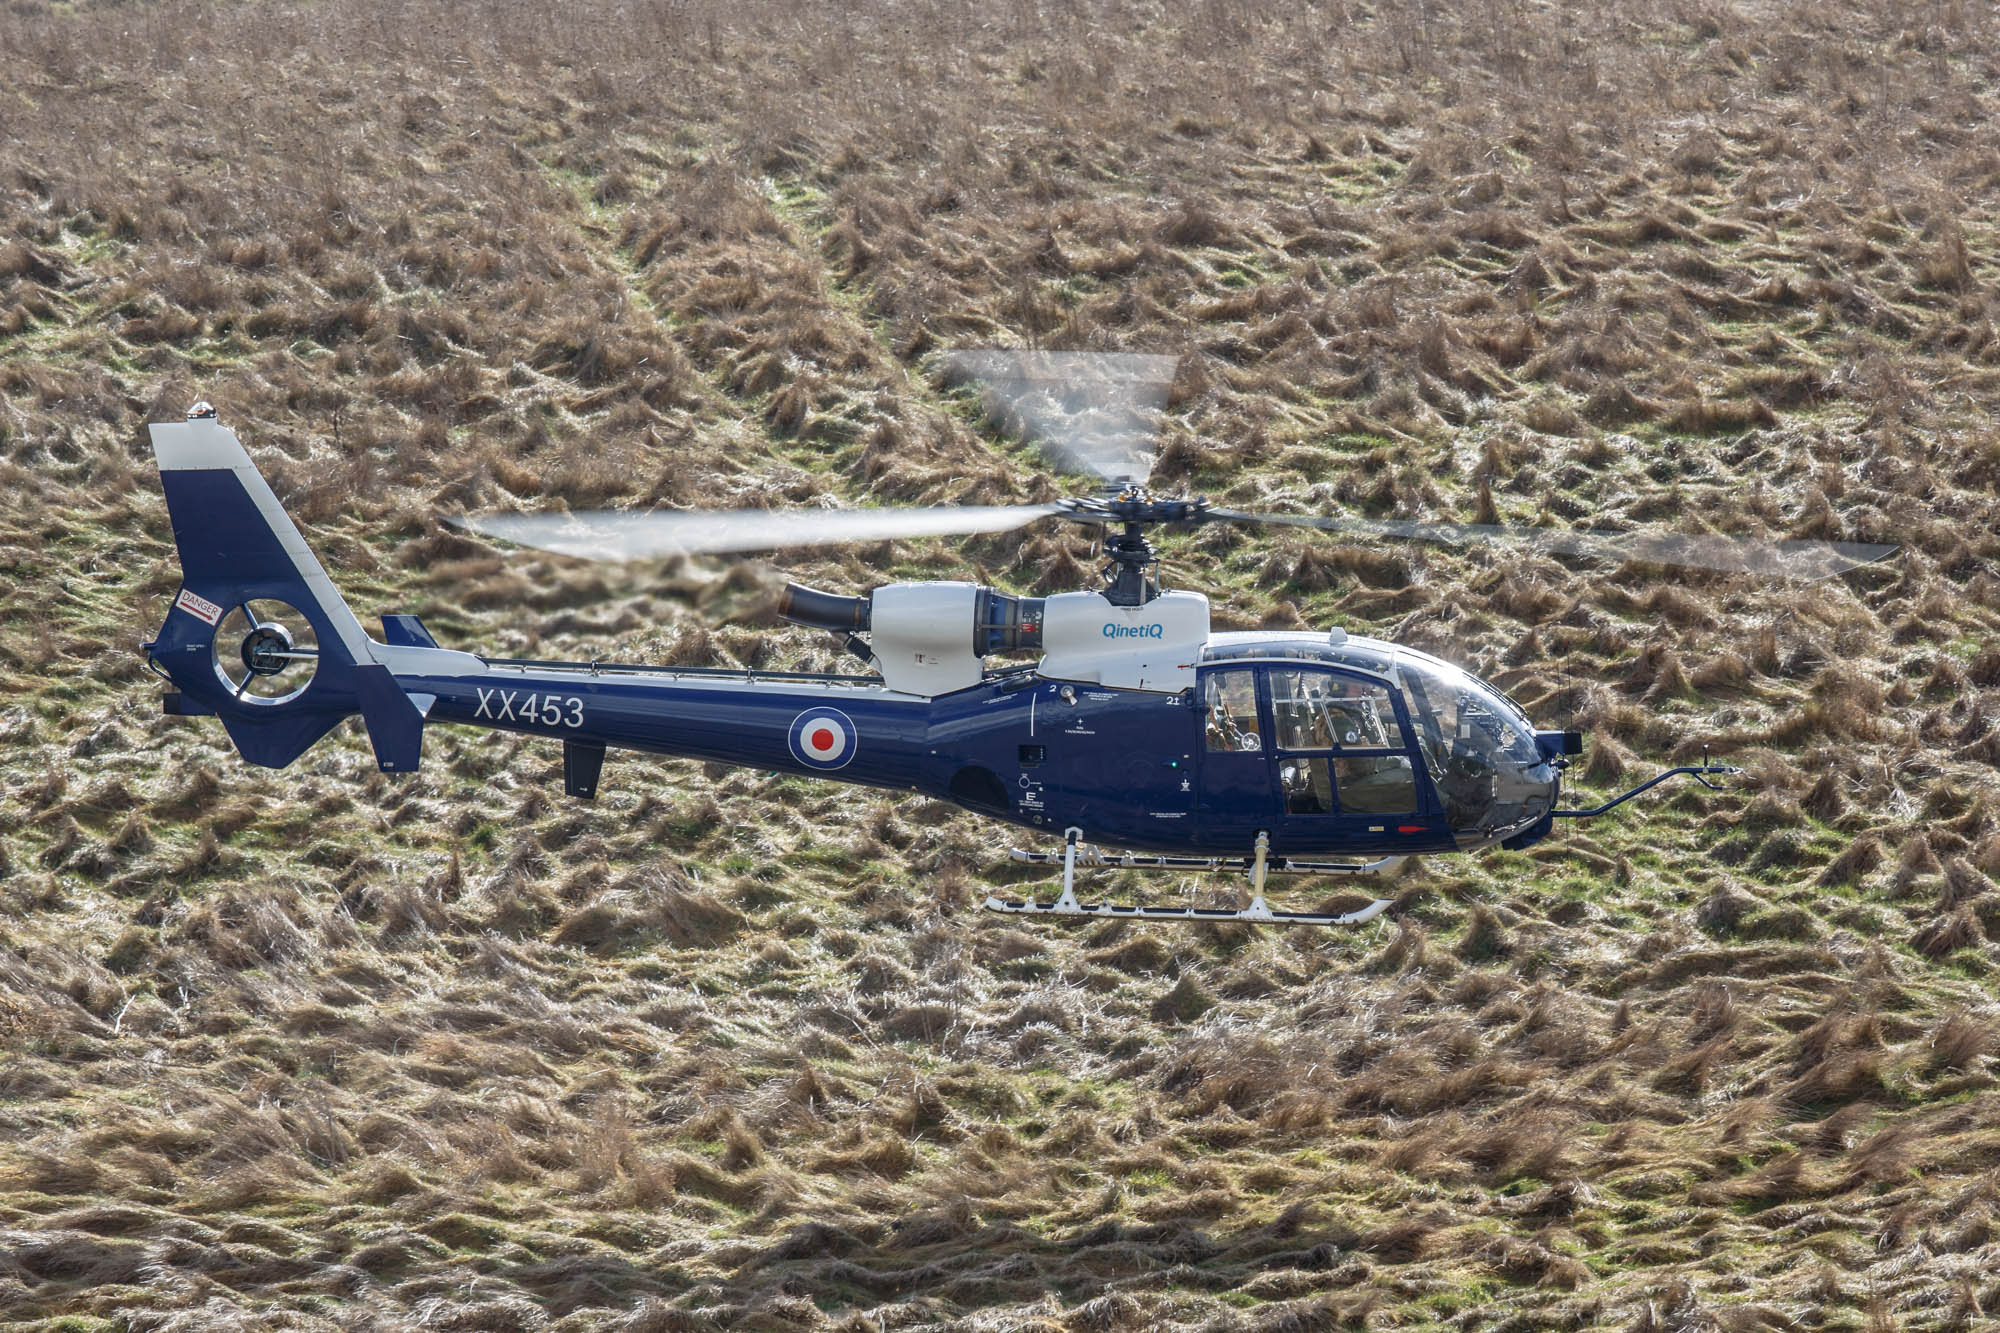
(1453, 710)
(1480, 749)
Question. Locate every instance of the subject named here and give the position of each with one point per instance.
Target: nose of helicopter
(1490, 798)
(1523, 795)
(1490, 795)
(1491, 772)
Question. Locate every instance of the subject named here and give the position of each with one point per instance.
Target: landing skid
(1277, 865)
(1259, 865)
(1256, 911)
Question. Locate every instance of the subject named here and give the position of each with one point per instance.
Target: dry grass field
(322, 1049)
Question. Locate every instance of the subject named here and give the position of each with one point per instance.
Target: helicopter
(1137, 727)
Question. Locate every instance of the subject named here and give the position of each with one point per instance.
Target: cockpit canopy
(1478, 747)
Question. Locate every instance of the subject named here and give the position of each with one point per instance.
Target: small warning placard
(196, 605)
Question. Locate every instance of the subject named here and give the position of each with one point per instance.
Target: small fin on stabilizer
(1257, 911)
(406, 631)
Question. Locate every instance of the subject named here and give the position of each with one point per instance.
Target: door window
(1230, 698)
(1307, 784)
(1376, 784)
(1317, 710)
(1379, 784)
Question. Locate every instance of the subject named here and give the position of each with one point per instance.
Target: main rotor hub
(1131, 563)
(1135, 505)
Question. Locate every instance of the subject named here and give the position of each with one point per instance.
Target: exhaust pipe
(823, 610)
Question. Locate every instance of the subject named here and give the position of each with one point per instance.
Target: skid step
(1256, 911)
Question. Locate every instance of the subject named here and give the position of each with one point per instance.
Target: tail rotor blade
(1805, 560)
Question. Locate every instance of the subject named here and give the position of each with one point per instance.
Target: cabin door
(1238, 799)
(1342, 763)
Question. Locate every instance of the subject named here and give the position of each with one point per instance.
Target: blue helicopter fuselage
(1133, 768)
(1325, 744)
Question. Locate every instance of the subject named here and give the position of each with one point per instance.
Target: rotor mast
(1131, 568)
(1131, 571)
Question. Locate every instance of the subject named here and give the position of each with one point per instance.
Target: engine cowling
(823, 610)
(1153, 646)
(932, 638)
(927, 638)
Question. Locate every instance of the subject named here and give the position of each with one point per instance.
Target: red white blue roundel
(823, 738)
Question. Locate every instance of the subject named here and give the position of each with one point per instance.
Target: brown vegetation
(325, 1049)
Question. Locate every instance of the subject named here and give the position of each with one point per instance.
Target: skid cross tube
(1699, 772)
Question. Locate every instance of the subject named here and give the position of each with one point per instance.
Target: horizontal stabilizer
(176, 704)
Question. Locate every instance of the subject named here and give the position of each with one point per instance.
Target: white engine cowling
(921, 635)
(932, 638)
(1153, 647)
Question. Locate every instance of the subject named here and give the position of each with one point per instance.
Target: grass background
(323, 1049)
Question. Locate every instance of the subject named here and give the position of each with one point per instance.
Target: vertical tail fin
(235, 641)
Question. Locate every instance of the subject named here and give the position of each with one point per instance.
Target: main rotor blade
(1094, 412)
(618, 535)
(1776, 559)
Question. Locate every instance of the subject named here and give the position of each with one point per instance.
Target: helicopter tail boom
(257, 634)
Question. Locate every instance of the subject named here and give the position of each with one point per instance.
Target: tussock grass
(730, 1051)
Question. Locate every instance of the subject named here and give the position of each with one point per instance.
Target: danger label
(198, 606)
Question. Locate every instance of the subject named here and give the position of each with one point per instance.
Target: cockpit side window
(1229, 702)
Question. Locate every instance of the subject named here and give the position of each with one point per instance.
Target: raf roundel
(823, 738)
